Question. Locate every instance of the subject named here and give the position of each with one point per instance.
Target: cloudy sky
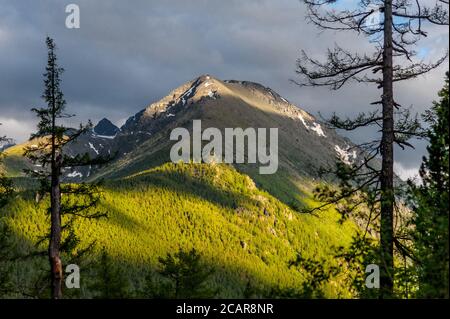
(128, 54)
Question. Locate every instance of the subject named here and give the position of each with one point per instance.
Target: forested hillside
(248, 237)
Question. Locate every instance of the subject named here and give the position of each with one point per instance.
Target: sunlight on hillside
(243, 232)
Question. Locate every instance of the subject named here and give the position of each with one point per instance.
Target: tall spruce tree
(431, 200)
(6, 190)
(5, 182)
(188, 275)
(394, 27)
(80, 200)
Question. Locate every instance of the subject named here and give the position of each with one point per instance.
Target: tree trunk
(387, 171)
(55, 232)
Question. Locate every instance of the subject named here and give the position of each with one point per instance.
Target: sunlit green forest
(247, 236)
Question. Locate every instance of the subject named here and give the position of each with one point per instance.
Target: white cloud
(19, 130)
(406, 173)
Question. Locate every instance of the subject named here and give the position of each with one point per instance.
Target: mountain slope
(304, 144)
(246, 235)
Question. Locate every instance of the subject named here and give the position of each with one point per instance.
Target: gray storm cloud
(129, 54)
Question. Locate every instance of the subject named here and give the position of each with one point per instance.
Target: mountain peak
(205, 77)
(106, 127)
(204, 91)
(306, 145)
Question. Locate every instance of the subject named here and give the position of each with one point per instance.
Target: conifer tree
(5, 183)
(431, 200)
(79, 200)
(6, 191)
(111, 282)
(394, 27)
(188, 275)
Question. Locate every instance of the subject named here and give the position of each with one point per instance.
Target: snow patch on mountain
(188, 94)
(318, 129)
(303, 121)
(75, 174)
(212, 94)
(345, 155)
(104, 136)
(315, 127)
(92, 147)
